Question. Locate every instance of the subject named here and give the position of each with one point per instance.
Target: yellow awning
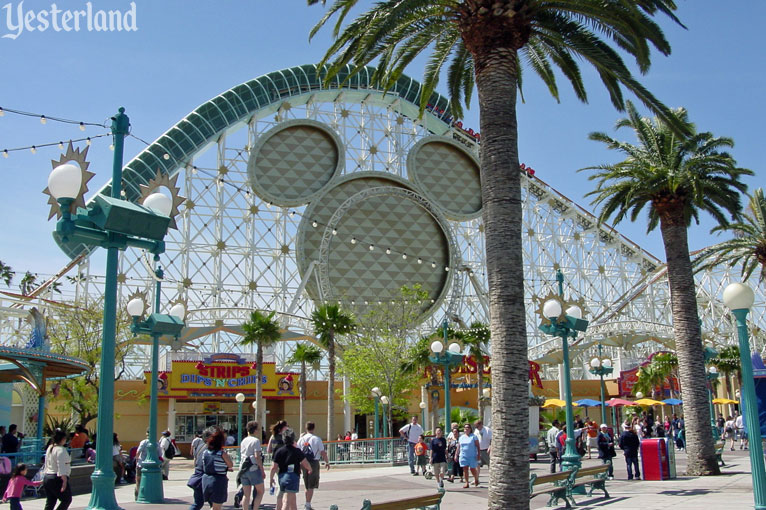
(648, 402)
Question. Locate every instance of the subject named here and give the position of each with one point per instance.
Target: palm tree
(486, 43)
(728, 363)
(666, 364)
(305, 354)
(748, 248)
(677, 178)
(477, 340)
(6, 273)
(263, 331)
(329, 320)
(27, 283)
(649, 378)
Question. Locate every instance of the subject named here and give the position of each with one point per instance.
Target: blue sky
(184, 53)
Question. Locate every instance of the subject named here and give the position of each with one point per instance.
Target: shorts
(252, 477)
(311, 481)
(484, 457)
(440, 468)
(421, 460)
(289, 482)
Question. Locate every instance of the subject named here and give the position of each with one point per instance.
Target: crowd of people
(454, 456)
(588, 435)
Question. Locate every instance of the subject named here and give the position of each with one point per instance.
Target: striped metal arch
(240, 104)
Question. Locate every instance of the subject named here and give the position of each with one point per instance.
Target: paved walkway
(348, 487)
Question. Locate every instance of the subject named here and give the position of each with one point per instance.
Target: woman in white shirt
(56, 471)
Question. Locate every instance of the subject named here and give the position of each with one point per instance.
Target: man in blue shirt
(438, 449)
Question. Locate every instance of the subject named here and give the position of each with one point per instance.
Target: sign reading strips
(19, 19)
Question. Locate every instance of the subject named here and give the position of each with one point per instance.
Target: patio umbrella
(615, 402)
(588, 402)
(556, 402)
(648, 402)
(724, 401)
(674, 402)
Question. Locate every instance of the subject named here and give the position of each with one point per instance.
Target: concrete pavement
(349, 486)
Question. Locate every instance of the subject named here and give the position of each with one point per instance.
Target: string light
(334, 232)
(33, 148)
(111, 147)
(404, 256)
(61, 145)
(388, 251)
(446, 268)
(5, 153)
(2, 112)
(420, 261)
(372, 247)
(43, 120)
(82, 126)
(433, 265)
(166, 156)
(314, 224)
(353, 240)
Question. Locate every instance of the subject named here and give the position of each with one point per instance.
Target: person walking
(215, 464)
(58, 466)
(313, 449)
(411, 432)
(484, 434)
(550, 440)
(287, 463)
(275, 441)
(438, 448)
(592, 433)
(168, 451)
(739, 426)
(195, 445)
(16, 486)
(468, 454)
(453, 466)
(421, 455)
(195, 481)
(630, 444)
(251, 467)
(729, 431)
(606, 449)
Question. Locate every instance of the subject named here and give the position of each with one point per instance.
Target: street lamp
(712, 376)
(601, 367)
(739, 298)
(115, 224)
(376, 395)
(239, 397)
(384, 400)
(564, 319)
(156, 325)
(423, 414)
(255, 413)
(447, 360)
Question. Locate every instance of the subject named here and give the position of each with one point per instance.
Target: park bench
(554, 484)
(429, 502)
(719, 452)
(593, 478)
(79, 478)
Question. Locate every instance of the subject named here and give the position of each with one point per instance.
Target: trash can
(655, 460)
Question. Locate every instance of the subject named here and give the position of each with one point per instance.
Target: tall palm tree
(486, 43)
(329, 320)
(263, 331)
(305, 354)
(27, 283)
(747, 248)
(6, 273)
(477, 341)
(675, 178)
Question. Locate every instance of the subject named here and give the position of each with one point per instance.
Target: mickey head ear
(448, 175)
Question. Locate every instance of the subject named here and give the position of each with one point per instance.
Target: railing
(389, 450)
(30, 452)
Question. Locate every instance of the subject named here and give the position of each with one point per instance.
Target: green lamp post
(423, 414)
(564, 319)
(712, 376)
(384, 400)
(739, 298)
(376, 429)
(447, 360)
(156, 325)
(601, 366)
(111, 223)
(240, 398)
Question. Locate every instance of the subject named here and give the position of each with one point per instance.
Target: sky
(184, 53)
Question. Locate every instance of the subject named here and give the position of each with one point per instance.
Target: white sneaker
(307, 506)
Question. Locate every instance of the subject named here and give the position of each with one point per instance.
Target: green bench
(719, 452)
(561, 486)
(593, 478)
(429, 502)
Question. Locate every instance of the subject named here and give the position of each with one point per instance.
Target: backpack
(307, 451)
(170, 451)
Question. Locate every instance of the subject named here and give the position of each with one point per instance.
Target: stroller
(429, 473)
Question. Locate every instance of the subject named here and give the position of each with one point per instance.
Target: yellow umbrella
(724, 401)
(556, 402)
(648, 402)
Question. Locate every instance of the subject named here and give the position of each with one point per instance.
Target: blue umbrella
(588, 402)
(672, 402)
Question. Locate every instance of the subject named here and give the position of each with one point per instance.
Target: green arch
(239, 104)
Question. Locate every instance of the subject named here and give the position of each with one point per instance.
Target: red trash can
(655, 464)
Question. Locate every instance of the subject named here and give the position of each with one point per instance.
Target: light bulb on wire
(82, 126)
(5, 153)
(87, 141)
(33, 149)
(43, 120)
(61, 145)
(2, 112)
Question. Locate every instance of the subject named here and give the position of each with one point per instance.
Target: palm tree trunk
(496, 82)
(301, 411)
(259, 411)
(331, 386)
(688, 336)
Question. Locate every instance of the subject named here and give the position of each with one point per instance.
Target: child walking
(421, 454)
(16, 486)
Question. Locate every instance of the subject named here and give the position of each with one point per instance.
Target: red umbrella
(613, 402)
